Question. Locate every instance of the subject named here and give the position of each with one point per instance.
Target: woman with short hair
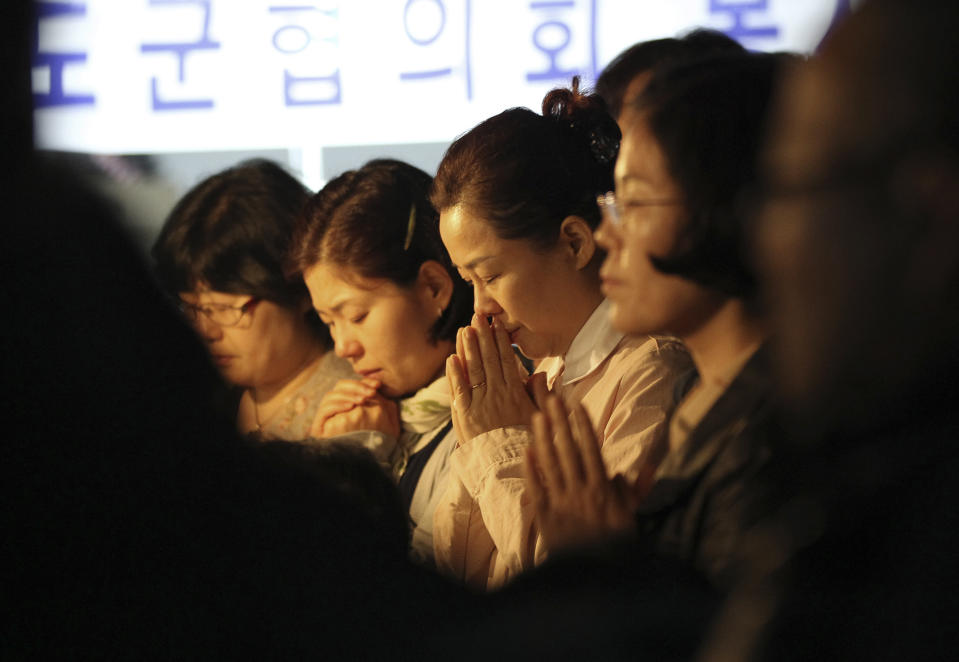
(678, 261)
(221, 254)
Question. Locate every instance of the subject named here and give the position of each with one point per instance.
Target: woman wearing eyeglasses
(517, 202)
(221, 253)
(678, 262)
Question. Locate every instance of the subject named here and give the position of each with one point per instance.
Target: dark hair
(352, 471)
(379, 221)
(648, 55)
(524, 173)
(231, 232)
(708, 118)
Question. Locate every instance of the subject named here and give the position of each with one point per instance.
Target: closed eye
(359, 318)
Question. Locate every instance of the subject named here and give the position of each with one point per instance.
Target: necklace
(271, 413)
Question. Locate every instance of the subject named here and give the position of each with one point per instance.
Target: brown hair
(646, 56)
(378, 220)
(524, 173)
(712, 156)
(231, 232)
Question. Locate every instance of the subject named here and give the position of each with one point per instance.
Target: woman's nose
(346, 347)
(483, 304)
(208, 329)
(607, 235)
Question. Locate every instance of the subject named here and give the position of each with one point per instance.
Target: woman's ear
(576, 237)
(435, 284)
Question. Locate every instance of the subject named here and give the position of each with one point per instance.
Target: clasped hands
(353, 405)
(575, 500)
(488, 384)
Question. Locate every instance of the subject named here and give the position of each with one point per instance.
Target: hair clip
(410, 226)
(604, 147)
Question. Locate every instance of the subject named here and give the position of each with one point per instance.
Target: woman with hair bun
(517, 203)
(678, 260)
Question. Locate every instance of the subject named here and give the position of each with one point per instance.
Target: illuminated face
(265, 347)
(645, 300)
(526, 289)
(381, 328)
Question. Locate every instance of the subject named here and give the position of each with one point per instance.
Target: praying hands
(576, 502)
(353, 405)
(488, 384)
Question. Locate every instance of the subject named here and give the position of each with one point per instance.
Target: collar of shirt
(595, 341)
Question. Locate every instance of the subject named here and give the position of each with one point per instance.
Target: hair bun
(586, 116)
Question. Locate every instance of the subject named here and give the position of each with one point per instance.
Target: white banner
(132, 76)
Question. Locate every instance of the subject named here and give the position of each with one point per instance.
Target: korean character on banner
(309, 35)
(55, 62)
(181, 50)
(566, 35)
(739, 10)
(438, 42)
